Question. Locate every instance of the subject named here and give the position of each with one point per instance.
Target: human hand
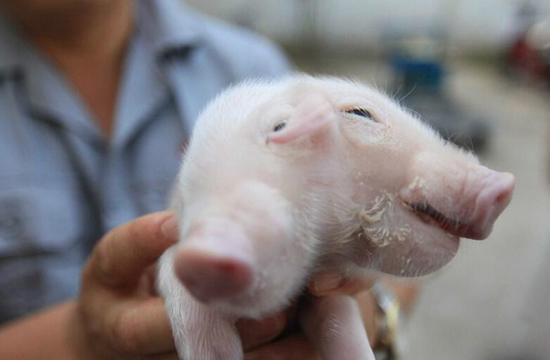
(296, 346)
(404, 292)
(333, 283)
(119, 315)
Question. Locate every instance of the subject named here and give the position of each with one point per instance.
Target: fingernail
(326, 283)
(169, 229)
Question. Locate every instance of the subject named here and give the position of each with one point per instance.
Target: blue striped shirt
(62, 183)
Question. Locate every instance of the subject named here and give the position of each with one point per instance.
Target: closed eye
(280, 126)
(360, 112)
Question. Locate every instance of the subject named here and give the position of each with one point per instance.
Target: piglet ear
(312, 114)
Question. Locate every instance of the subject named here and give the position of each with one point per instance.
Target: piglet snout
(214, 263)
(493, 197)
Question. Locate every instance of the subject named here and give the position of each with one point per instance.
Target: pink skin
(263, 207)
(215, 266)
(491, 201)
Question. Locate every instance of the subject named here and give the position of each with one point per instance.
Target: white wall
(473, 25)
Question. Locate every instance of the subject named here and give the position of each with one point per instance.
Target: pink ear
(312, 114)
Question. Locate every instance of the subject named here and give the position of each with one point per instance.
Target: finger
(334, 326)
(254, 333)
(143, 329)
(292, 347)
(369, 313)
(122, 255)
(354, 286)
(333, 283)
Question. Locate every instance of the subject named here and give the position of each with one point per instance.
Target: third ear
(312, 114)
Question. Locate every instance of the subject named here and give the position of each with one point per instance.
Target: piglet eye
(279, 126)
(360, 112)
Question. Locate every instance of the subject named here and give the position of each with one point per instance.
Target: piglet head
(412, 195)
(284, 179)
(390, 194)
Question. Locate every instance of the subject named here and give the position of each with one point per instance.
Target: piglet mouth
(478, 212)
(427, 213)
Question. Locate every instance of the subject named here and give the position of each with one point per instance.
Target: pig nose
(491, 201)
(212, 273)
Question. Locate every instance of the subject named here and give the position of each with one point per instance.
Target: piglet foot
(334, 326)
(207, 336)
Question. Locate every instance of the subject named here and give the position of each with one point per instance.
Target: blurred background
(479, 71)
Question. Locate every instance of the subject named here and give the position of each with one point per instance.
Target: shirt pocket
(42, 238)
(38, 219)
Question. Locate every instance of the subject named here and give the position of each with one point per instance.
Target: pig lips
(428, 213)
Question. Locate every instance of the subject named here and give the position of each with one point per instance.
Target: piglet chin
(425, 249)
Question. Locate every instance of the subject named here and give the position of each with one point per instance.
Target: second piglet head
(282, 180)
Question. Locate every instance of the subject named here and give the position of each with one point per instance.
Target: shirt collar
(169, 25)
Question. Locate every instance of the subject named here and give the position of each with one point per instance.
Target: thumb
(125, 252)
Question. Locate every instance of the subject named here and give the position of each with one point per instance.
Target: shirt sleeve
(271, 61)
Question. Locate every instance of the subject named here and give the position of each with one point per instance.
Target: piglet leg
(334, 326)
(200, 333)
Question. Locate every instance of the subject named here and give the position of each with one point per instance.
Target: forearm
(43, 336)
